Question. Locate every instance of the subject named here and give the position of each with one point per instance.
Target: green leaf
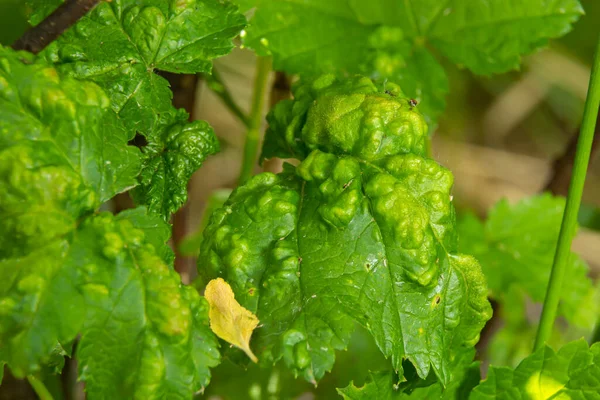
(380, 385)
(157, 231)
(190, 245)
(176, 150)
(120, 44)
(571, 373)
(386, 386)
(390, 39)
(63, 152)
(516, 245)
(137, 309)
(490, 36)
(362, 229)
(37, 10)
(310, 36)
(66, 271)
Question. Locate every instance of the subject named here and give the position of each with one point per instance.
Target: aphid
(390, 93)
(413, 103)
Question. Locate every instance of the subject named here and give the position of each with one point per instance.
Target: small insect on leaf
(228, 319)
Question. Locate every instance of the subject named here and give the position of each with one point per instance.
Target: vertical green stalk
(39, 388)
(569, 222)
(263, 68)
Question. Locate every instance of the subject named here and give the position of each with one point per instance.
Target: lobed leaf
(516, 246)
(362, 229)
(571, 373)
(145, 335)
(120, 45)
(67, 271)
(392, 39)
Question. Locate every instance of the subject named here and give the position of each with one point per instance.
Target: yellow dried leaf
(228, 319)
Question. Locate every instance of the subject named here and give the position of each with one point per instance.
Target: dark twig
(558, 183)
(281, 89)
(68, 13)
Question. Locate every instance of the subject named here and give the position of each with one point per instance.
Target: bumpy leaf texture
(65, 270)
(516, 245)
(388, 38)
(571, 373)
(362, 229)
(120, 45)
(177, 150)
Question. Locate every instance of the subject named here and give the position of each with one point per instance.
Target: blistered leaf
(228, 319)
(65, 270)
(362, 230)
(137, 309)
(120, 44)
(175, 151)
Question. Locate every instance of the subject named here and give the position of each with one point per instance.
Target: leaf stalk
(263, 69)
(569, 222)
(39, 388)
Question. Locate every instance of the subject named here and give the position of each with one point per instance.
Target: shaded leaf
(571, 373)
(516, 246)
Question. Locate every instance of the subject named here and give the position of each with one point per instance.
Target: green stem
(39, 388)
(216, 84)
(569, 222)
(263, 68)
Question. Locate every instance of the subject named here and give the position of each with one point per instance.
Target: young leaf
(516, 246)
(175, 151)
(362, 230)
(571, 373)
(228, 320)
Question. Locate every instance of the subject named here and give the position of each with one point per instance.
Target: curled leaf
(228, 319)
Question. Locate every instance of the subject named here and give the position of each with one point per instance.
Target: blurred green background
(500, 135)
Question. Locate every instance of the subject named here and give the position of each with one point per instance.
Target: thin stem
(68, 13)
(39, 388)
(215, 83)
(263, 68)
(569, 222)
